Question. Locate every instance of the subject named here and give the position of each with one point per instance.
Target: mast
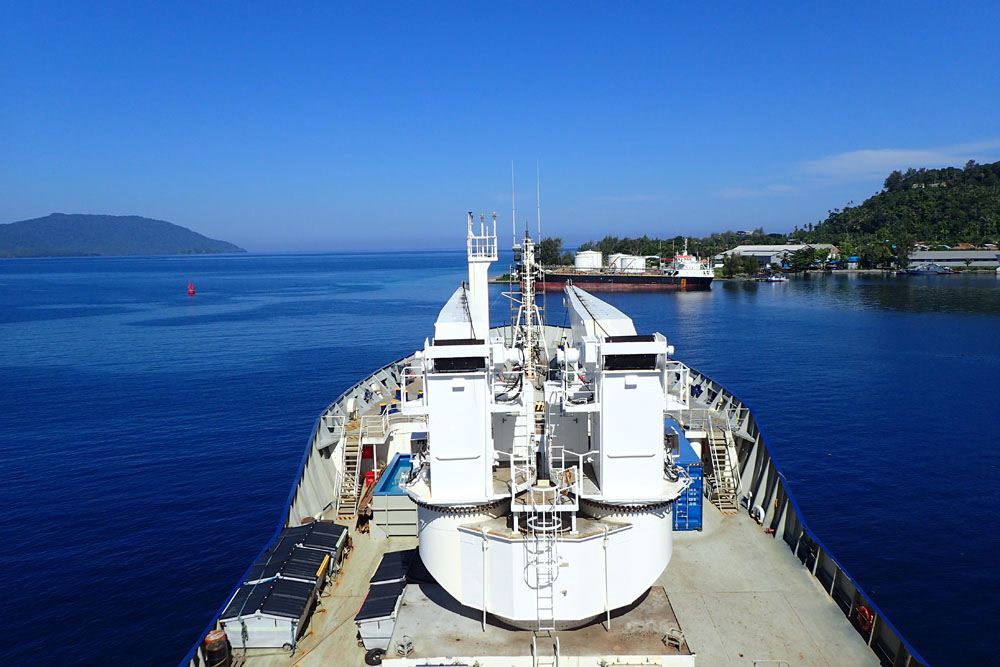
(513, 212)
(538, 195)
(528, 303)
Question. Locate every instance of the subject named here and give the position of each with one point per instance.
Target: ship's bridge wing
(589, 316)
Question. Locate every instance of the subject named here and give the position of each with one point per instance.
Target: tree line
(933, 206)
(551, 252)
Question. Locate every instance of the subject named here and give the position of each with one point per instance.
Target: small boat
(928, 269)
(772, 278)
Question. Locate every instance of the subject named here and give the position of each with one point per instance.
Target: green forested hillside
(934, 206)
(60, 234)
(931, 205)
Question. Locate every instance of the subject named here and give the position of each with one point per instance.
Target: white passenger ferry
(528, 494)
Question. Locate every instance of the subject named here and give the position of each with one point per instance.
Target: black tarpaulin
(381, 601)
(280, 597)
(394, 566)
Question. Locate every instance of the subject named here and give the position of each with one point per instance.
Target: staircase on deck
(725, 472)
(347, 503)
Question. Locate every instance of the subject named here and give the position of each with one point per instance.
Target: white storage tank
(588, 260)
(627, 263)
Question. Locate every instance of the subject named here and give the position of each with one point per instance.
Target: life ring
(865, 619)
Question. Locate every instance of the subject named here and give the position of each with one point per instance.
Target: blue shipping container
(687, 508)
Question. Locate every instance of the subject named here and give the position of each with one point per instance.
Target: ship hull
(321, 476)
(622, 282)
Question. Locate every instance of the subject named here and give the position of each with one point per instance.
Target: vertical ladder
(540, 658)
(544, 526)
(522, 460)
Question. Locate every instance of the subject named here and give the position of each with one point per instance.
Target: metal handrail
(379, 425)
(482, 246)
(681, 383)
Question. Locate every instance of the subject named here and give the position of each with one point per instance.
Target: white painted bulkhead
(637, 550)
(440, 544)
(461, 448)
(631, 435)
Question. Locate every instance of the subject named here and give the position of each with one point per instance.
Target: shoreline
(504, 280)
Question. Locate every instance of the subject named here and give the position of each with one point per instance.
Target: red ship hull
(622, 282)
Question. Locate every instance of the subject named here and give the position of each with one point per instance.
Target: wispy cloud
(628, 199)
(741, 193)
(878, 162)
(867, 164)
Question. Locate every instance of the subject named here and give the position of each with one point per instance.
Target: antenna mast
(513, 213)
(538, 194)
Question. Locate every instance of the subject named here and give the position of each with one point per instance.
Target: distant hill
(948, 205)
(60, 235)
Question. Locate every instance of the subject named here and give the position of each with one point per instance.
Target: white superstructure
(545, 469)
(690, 266)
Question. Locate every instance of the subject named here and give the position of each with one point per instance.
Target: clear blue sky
(328, 125)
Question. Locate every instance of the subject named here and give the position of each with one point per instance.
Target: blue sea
(150, 439)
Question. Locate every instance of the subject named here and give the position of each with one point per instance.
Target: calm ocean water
(150, 439)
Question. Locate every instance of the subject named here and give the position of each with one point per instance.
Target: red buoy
(191, 289)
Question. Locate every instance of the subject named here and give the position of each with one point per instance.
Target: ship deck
(741, 597)
(441, 628)
(737, 595)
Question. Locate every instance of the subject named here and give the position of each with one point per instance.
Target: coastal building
(972, 258)
(772, 254)
(958, 259)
